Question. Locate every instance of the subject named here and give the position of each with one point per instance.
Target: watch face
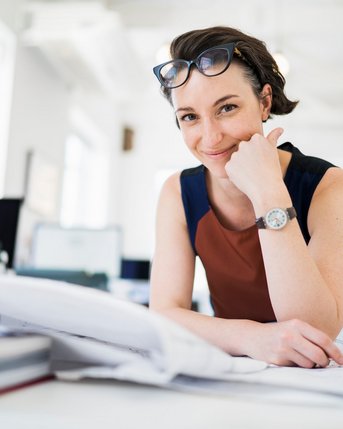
(276, 218)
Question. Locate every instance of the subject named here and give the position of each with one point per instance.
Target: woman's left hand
(293, 342)
(255, 167)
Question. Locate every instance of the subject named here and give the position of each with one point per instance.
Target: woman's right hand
(293, 343)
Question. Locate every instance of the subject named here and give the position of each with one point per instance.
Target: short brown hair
(258, 64)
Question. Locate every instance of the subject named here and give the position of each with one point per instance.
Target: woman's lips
(219, 153)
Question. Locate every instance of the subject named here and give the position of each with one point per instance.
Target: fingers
(323, 342)
(311, 355)
(294, 358)
(295, 342)
(311, 347)
(274, 135)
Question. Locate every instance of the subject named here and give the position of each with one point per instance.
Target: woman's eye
(188, 117)
(228, 108)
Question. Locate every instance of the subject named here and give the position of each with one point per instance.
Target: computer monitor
(9, 216)
(93, 250)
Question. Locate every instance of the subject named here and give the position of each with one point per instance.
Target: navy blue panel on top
(302, 177)
(194, 197)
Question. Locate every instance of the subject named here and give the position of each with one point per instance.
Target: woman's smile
(219, 153)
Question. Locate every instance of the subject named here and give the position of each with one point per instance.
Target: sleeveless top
(233, 260)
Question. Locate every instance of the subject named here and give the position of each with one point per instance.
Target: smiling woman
(258, 215)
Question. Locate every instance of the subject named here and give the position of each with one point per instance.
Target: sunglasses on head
(211, 62)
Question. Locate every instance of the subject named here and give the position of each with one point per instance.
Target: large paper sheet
(96, 335)
(97, 317)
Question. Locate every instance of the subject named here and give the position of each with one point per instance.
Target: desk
(110, 404)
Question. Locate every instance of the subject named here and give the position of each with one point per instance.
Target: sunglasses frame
(229, 47)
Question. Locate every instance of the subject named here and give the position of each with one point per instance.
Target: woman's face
(216, 113)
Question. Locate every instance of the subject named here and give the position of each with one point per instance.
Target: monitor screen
(92, 250)
(9, 215)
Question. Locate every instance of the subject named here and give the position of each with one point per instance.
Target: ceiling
(308, 32)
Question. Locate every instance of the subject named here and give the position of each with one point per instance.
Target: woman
(266, 221)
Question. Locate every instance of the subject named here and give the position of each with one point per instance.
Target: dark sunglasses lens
(174, 74)
(214, 61)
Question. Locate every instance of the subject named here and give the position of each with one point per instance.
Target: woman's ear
(266, 100)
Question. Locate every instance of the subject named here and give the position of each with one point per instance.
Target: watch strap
(291, 213)
(260, 223)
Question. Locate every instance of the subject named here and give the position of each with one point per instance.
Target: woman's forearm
(232, 336)
(296, 286)
(291, 342)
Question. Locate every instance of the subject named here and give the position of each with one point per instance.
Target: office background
(85, 135)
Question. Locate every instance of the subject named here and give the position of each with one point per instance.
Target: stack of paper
(24, 358)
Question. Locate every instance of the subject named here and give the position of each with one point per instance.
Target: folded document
(96, 335)
(92, 328)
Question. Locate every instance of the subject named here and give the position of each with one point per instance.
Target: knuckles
(285, 339)
(290, 330)
(296, 324)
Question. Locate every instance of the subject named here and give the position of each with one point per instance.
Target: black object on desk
(135, 269)
(94, 280)
(9, 216)
(139, 269)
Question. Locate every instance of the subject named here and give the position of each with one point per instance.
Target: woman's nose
(211, 133)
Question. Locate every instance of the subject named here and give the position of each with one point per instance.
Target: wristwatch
(276, 218)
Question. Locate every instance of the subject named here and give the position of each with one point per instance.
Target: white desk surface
(110, 404)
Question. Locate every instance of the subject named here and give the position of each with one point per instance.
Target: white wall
(9, 12)
(38, 123)
(7, 60)
(157, 146)
(39, 117)
(104, 117)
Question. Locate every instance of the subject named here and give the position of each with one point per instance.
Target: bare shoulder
(170, 201)
(330, 188)
(327, 201)
(171, 190)
(172, 185)
(332, 180)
